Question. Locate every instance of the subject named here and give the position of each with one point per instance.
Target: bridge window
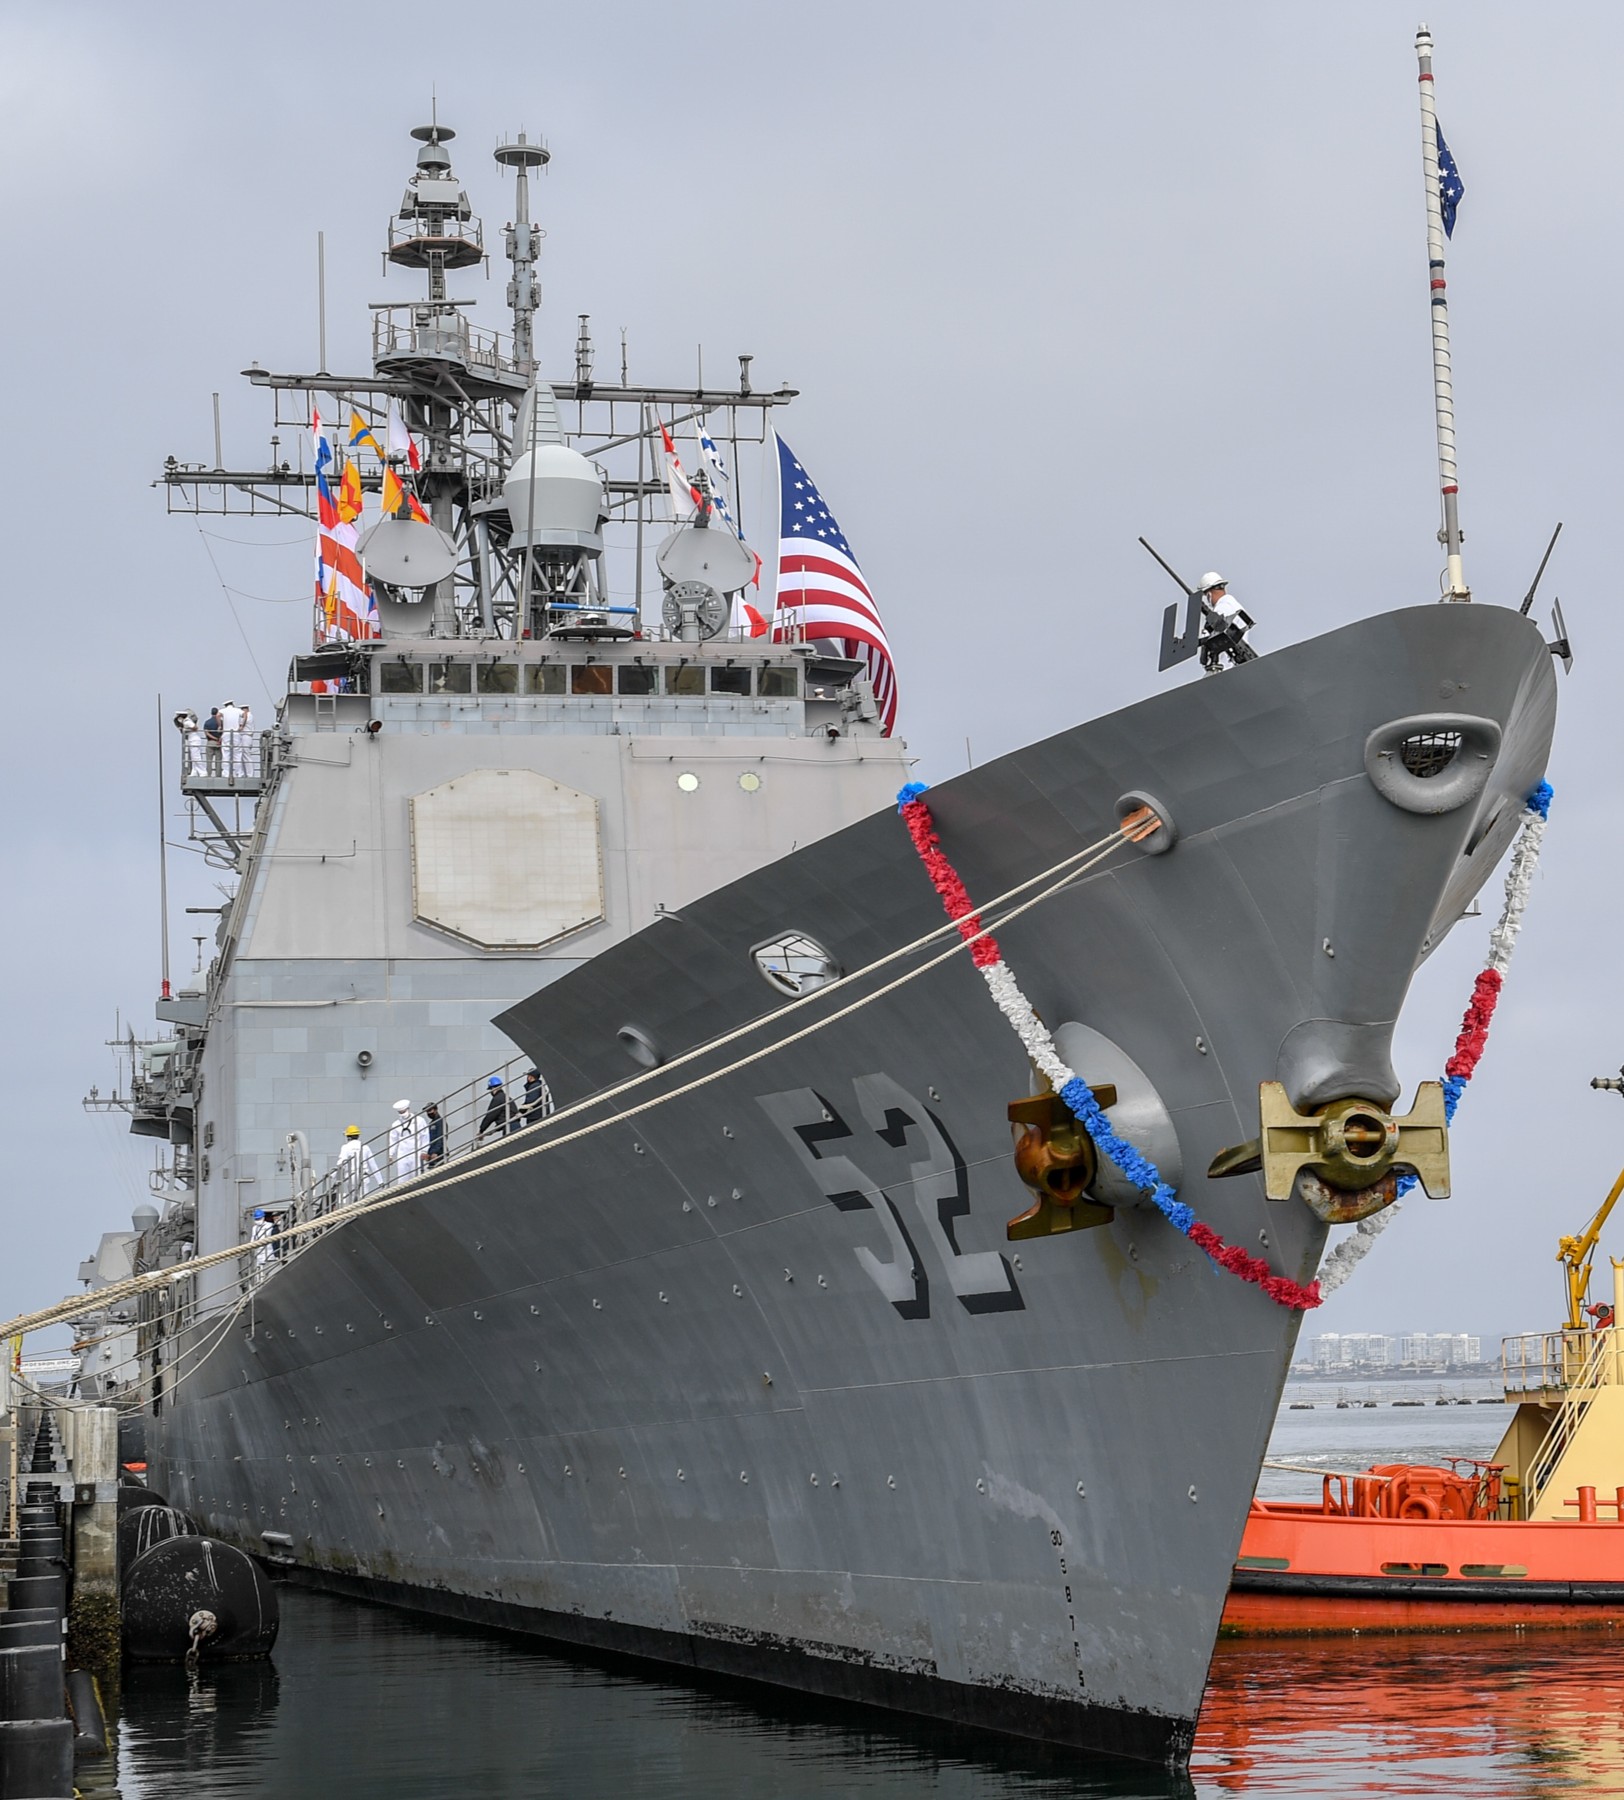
(544, 678)
(689, 678)
(499, 678)
(636, 679)
(592, 678)
(400, 678)
(451, 678)
(778, 684)
(730, 681)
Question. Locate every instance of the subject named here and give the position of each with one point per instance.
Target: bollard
(1587, 1506)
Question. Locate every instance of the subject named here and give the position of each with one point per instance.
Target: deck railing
(1597, 1368)
(470, 1119)
(234, 763)
(1546, 1362)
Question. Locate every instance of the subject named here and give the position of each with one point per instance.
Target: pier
(59, 1614)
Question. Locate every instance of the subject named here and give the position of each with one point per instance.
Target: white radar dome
(554, 496)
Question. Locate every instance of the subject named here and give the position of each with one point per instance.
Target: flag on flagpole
(393, 493)
(1451, 189)
(349, 494)
(361, 433)
(400, 439)
(414, 507)
(684, 495)
(821, 591)
(345, 609)
(719, 483)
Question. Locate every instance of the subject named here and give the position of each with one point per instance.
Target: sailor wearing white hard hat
(1225, 624)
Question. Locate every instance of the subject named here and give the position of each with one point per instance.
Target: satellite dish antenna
(697, 553)
(406, 553)
(693, 610)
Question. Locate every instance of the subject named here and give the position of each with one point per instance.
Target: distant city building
(1409, 1350)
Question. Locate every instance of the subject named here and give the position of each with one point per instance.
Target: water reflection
(375, 1705)
(1503, 1716)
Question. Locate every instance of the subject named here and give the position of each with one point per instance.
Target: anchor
(1057, 1160)
(1343, 1161)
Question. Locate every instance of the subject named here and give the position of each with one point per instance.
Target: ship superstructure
(515, 766)
(763, 1353)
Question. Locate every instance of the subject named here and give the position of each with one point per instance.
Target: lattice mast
(1443, 386)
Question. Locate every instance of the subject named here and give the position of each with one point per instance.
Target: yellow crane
(1575, 1253)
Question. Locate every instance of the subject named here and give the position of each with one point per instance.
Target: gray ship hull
(693, 1387)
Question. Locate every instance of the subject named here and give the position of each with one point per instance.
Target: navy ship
(784, 1324)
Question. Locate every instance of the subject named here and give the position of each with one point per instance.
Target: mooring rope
(1068, 1084)
(1051, 881)
(1473, 1035)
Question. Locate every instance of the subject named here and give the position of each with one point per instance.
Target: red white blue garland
(1474, 1027)
(1070, 1086)
(1140, 1170)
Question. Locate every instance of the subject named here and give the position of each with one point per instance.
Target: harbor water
(374, 1704)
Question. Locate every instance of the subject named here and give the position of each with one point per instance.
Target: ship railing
(411, 331)
(470, 1118)
(1555, 1362)
(1597, 1367)
(235, 764)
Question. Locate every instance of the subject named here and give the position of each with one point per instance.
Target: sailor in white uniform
(260, 1238)
(408, 1142)
(231, 738)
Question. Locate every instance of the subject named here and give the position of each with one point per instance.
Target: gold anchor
(1349, 1153)
(1057, 1160)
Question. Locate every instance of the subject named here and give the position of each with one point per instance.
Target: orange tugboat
(1534, 1537)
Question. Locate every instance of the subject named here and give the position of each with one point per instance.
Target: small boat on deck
(1532, 1537)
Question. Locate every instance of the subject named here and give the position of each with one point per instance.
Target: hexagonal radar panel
(506, 859)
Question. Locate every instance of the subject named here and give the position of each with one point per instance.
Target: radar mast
(523, 245)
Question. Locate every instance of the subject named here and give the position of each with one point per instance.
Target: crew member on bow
(1224, 625)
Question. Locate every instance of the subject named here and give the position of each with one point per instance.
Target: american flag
(821, 591)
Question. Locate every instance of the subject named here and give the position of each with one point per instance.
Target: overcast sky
(1047, 275)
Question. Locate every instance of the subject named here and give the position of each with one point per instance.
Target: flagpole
(1443, 386)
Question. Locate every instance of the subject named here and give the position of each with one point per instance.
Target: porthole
(750, 781)
(688, 781)
(794, 963)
